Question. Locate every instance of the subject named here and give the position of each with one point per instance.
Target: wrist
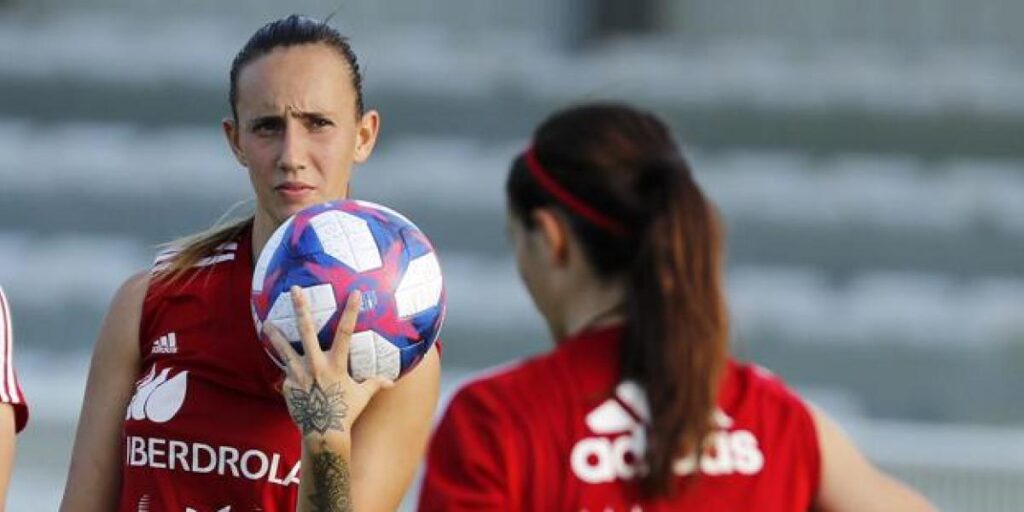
(335, 441)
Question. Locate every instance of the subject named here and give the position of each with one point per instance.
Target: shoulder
(510, 386)
(130, 295)
(748, 381)
(762, 402)
(487, 409)
(120, 328)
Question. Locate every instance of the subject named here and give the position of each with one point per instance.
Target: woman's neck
(263, 225)
(598, 306)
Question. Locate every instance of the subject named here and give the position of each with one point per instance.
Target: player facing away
(639, 405)
(183, 409)
(13, 407)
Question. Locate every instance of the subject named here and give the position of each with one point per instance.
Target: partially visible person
(639, 405)
(13, 408)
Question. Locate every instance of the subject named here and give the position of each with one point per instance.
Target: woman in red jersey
(183, 409)
(13, 408)
(639, 406)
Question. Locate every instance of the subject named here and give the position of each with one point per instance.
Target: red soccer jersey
(207, 429)
(10, 391)
(560, 432)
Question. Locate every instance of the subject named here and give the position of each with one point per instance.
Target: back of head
(618, 175)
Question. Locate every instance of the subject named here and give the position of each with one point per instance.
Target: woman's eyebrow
(256, 121)
(309, 115)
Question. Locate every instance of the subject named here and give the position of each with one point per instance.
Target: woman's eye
(266, 127)
(321, 123)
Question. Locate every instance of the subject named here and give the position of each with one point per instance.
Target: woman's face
(298, 131)
(531, 263)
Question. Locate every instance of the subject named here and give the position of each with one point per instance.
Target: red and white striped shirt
(10, 392)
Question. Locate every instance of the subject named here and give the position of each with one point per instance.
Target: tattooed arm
(331, 490)
(324, 401)
(326, 447)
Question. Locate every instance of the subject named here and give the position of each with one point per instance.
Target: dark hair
(290, 31)
(294, 30)
(625, 164)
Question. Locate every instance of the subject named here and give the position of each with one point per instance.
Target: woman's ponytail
(676, 341)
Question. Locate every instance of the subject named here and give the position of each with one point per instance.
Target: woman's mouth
(293, 191)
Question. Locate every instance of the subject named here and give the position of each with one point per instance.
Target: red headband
(577, 205)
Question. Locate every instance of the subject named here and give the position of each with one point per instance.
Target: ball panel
(264, 262)
(321, 304)
(348, 239)
(384, 211)
(420, 287)
(388, 363)
(362, 358)
(370, 354)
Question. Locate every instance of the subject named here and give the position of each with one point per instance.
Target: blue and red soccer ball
(333, 248)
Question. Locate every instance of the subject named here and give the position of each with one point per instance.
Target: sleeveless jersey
(207, 429)
(562, 432)
(10, 390)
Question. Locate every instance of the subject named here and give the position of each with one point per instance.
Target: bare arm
(390, 437)
(6, 449)
(850, 483)
(94, 479)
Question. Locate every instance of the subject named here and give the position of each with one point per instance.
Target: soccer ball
(333, 248)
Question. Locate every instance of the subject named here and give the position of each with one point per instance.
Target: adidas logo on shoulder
(166, 344)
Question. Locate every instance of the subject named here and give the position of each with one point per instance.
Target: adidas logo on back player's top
(615, 451)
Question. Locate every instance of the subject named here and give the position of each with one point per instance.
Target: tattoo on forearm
(331, 484)
(318, 410)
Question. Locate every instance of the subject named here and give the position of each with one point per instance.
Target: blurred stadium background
(867, 156)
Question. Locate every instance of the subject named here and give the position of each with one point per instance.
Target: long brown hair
(625, 164)
(289, 31)
(182, 254)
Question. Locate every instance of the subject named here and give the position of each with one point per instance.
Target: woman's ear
(366, 135)
(230, 129)
(553, 232)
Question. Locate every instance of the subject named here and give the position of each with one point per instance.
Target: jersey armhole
(10, 389)
(150, 302)
(20, 414)
(810, 445)
(806, 442)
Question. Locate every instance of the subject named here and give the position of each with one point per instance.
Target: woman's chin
(292, 207)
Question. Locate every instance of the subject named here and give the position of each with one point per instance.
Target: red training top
(10, 391)
(207, 429)
(560, 432)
